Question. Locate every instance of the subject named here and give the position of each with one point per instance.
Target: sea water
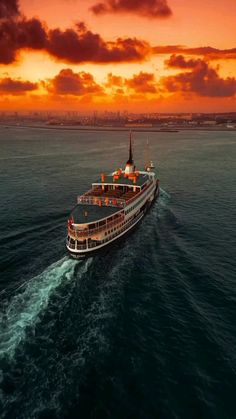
(147, 330)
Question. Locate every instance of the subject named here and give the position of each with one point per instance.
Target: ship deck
(122, 180)
(111, 194)
(84, 213)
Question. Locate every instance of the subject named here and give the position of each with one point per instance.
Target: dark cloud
(212, 53)
(69, 83)
(77, 45)
(9, 8)
(82, 45)
(16, 87)
(138, 83)
(208, 52)
(142, 83)
(20, 34)
(201, 79)
(148, 8)
(179, 61)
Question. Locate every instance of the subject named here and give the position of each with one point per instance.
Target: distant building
(211, 123)
(138, 125)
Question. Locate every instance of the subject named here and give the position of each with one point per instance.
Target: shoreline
(117, 129)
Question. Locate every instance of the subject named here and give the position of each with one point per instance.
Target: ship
(114, 205)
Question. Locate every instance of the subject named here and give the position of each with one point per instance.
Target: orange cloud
(77, 84)
(148, 8)
(208, 52)
(112, 80)
(10, 86)
(139, 83)
(202, 80)
(142, 83)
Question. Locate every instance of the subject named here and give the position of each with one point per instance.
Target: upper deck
(106, 199)
(119, 179)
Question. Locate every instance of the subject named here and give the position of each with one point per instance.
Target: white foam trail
(25, 307)
(164, 193)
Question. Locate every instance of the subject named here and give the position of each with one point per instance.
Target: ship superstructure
(111, 208)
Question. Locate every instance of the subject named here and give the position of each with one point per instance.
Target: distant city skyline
(145, 56)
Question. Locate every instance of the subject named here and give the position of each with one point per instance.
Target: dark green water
(146, 331)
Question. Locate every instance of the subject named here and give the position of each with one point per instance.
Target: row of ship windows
(114, 229)
(91, 243)
(130, 222)
(107, 233)
(137, 203)
(120, 225)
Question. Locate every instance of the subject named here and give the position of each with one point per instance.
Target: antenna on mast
(149, 165)
(146, 155)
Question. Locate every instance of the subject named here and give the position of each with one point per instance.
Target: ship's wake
(29, 301)
(164, 194)
(65, 317)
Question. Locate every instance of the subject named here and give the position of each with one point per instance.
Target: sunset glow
(147, 55)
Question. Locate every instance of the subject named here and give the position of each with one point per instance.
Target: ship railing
(117, 233)
(76, 232)
(109, 201)
(101, 201)
(81, 246)
(78, 247)
(134, 198)
(106, 239)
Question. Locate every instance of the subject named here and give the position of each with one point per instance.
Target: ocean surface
(146, 331)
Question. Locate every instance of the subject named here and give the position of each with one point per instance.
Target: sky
(132, 55)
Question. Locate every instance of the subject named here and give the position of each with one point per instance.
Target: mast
(129, 168)
(130, 161)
